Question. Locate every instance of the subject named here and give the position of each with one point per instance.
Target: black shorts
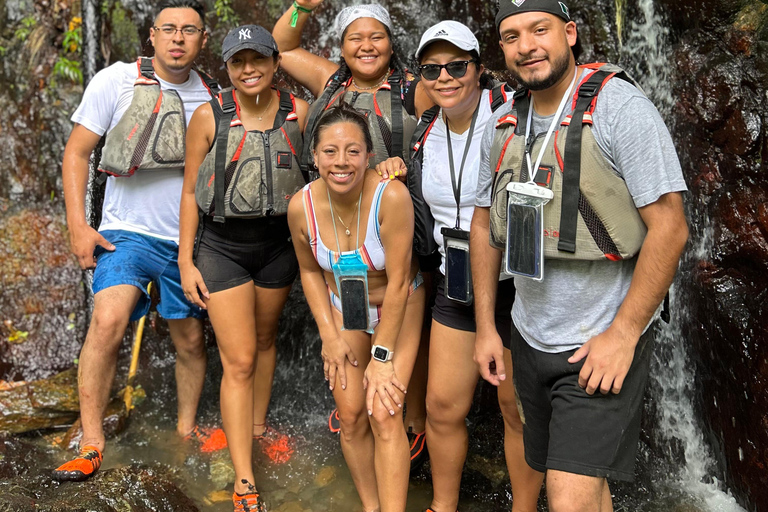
(566, 429)
(244, 250)
(459, 316)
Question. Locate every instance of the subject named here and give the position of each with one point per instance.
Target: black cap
(509, 8)
(248, 37)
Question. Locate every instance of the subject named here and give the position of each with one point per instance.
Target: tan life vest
(592, 215)
(150, 134)
(249, 174)
(390, 123)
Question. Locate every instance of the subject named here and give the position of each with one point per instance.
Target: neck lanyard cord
(555, 121)
(467, 144)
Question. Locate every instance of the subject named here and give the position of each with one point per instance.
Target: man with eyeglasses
(143, 108)
(580, 184)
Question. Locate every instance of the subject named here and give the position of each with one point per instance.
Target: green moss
(124, 37)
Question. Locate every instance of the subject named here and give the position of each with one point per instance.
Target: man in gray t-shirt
(579, 329)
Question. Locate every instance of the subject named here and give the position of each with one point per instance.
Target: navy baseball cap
(248, 37)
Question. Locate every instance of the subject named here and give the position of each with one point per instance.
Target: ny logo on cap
(245, 33)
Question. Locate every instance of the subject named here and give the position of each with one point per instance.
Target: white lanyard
(555, 122)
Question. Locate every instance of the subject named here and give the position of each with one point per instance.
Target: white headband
(349, 14)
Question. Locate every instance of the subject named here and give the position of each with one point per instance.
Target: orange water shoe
(81, 467)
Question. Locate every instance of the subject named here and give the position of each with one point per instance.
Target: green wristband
(295, 15)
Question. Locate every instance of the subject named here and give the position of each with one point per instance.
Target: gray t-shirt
(577, 300)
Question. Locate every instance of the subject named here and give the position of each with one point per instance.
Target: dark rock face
(721, 87)
(135, 487)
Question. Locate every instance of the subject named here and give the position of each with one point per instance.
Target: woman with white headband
(369, 71)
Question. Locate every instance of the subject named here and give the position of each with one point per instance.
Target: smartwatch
(381, 353)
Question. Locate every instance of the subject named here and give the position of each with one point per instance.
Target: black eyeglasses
(456, 69)
(187, 30)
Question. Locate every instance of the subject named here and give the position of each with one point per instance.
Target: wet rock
(222, 473)
(325, 476)
(132, 488)
(722, 86)
(40, 404)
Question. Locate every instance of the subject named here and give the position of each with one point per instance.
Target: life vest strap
(572, 163)
(220, 162)
(146, 68)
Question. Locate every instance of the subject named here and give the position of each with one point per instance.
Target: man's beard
(559, 68)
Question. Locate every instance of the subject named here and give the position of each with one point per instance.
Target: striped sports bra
(372, 250)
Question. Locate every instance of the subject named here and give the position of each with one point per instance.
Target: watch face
(380, 353)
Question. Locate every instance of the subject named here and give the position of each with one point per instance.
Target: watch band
(387, 356)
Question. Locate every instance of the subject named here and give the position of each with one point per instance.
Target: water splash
(646, 55)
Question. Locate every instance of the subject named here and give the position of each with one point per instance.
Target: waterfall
(689, 463)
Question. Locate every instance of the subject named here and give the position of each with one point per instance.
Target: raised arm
(200, 135)
(83, 238)
(310, 70)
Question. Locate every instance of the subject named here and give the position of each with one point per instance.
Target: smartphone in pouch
(522, 239)
(458, 272)
(524, 251)
(354, 303)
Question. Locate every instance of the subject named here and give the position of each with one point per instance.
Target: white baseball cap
(454, 32)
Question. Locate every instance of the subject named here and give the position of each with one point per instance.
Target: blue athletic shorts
(137, 260)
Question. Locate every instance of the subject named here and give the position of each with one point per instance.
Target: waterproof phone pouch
(524, 254)
(351, 276)
(458, 273)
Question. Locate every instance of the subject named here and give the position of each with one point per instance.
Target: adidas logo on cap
(440, 32)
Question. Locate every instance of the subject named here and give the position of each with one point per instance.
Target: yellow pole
(128, 397)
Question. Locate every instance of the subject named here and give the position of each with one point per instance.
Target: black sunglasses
(456, 69)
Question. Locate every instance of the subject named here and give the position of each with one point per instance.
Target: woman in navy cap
(241, 171)
(442, 179)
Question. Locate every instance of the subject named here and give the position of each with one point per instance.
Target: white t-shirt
(436, 173)
(147, 202)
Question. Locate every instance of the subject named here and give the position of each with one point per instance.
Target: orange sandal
(81, 467)
(248, 502)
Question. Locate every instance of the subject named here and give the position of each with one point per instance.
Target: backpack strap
(572, 162)
(228, 110)
(396, 101)
(314, 117)
(499, 95)
(428, 118)
(147, 69)
(287, 106)
(209, 82)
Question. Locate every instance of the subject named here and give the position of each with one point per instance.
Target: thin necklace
(267, 107)
(346, 228)
(383, 79)
(335, 234)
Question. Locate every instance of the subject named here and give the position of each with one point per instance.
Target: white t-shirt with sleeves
(147, 202)
(436, 173)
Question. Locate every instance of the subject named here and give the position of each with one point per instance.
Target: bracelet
(295, 15)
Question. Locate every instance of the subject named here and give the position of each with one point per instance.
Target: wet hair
(344, 113)
(395, 62)
(195, 5)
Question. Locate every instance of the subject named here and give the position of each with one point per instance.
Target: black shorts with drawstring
(566, 429)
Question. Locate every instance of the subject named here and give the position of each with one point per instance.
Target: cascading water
(678, 431)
